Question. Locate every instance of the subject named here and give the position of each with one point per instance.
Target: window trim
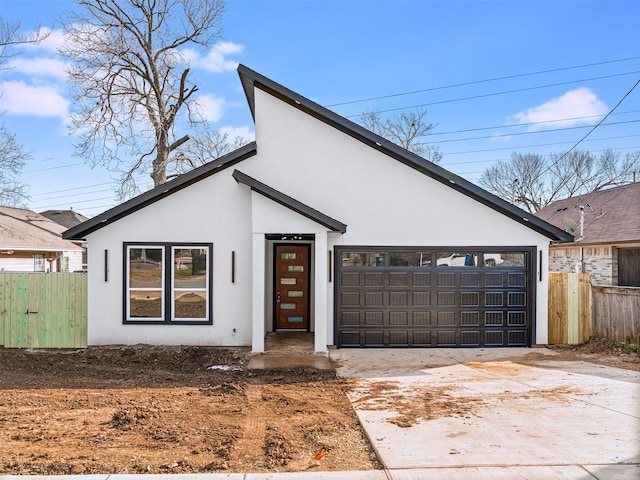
(167, 284)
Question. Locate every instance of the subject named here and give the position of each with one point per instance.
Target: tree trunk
(159, 165)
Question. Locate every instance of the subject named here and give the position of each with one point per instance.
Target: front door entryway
(291, 287)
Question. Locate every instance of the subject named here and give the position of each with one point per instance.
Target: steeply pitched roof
(252, 80)
(22, 229)
(66, 218)
(289, 202)
(610, 216)
(162, 191)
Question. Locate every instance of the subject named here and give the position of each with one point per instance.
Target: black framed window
(168, 283)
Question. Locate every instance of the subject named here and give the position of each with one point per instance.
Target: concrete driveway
(495, 413)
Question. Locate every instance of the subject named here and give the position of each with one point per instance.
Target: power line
(494, 94)
(475, 82)
(536, 145)
(600, 122)
(535, 132)
(527, 124)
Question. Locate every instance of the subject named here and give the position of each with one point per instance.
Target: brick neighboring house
(609, 249)
(69, 219)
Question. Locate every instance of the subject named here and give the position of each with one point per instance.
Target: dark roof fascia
(79, 232)
(251, 79)
(582, 243)
(289, 202)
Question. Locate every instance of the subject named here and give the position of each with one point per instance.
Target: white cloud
(54, 40)
(581, 102)
(214, 61)
(39, 66)
(210, 107)
(42, 100)
(233, 132)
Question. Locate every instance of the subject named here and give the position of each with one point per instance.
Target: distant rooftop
(66, 218)
(22, 229)
(610, 216)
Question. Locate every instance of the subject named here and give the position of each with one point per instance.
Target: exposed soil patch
(143, 409)
(414, 405)
(601, 351)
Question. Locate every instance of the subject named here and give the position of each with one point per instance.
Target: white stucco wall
(215, 210)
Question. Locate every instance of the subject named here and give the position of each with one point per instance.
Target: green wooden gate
(43, 310)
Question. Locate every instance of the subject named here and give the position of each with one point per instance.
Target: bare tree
(406, 129)
(132, 81)
(533, 181)
(12, 155)
(12, 41)
(205, 145)
(12, 160)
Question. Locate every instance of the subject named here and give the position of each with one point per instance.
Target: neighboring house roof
(22, 229)
(610, 216)
(66, 218)
(251, 80)
(289, 202)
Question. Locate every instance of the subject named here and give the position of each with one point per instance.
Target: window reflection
(362, 259)
(410, 259)
(457, 259)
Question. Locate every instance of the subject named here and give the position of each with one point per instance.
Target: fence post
(573, 309)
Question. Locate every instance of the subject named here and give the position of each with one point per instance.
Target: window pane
(190, 267)
(190, 304)
(145, 304)
(38, 262)
(504, 259)
(362, 259)
(410, 259)
(457, 259)
(145, 267)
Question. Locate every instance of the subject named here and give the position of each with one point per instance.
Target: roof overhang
(289, 202)
(6, 249)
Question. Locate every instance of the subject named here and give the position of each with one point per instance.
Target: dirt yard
(144, 409)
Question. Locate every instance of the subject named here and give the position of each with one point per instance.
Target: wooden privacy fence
(616, 313)
(569, 308)
(43, 310)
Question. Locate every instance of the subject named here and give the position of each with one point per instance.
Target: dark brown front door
(291, 287)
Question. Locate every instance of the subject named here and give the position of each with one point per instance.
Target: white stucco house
(322, 226)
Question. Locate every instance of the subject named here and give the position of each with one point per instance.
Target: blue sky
(496, 78)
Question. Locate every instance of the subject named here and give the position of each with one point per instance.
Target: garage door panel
(470, 338)
(421, 299)
(350, 299)
(399, 298)
(469, 279)
(373, 299)
(398, 319)
(421, 318)
(421, 279)
(373, 319)
(493, 319)
(399, 279)
(380, 302)
(469, 319)
(373, 279)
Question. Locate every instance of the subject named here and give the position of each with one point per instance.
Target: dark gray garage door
(433, 297)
